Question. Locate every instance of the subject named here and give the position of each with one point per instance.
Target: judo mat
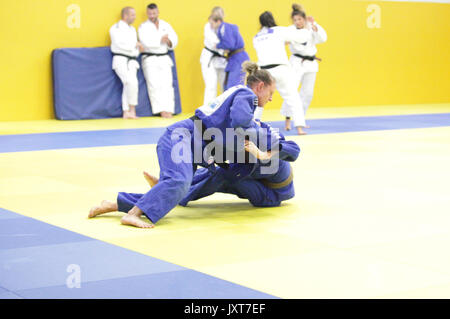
(86, 87)
(370, 218)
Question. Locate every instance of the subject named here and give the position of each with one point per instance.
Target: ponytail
(298, 9)
(255, 74)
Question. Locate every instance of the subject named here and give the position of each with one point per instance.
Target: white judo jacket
(210, 41)
(123, 41)
(269, 43)
(150, 37)
(307, 48)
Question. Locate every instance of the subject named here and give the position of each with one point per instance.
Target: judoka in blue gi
(232, 42)
(176, 148)
(248, 181)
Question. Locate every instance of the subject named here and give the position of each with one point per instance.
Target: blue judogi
(233, 109)
(243, 180)
(231, 39)
(262, 190)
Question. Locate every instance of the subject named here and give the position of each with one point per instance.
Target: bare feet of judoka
(151, 180)
(127, 115)
(166, 115)
(300, 131)
(131, 113)
(105, 207)
(133, 218)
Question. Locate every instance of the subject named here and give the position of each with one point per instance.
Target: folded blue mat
(86, 87)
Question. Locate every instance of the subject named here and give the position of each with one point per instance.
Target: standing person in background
(212, 60)
(125, 49)
(303, 58)
(232, 42)
(270, 48)
(158, 37)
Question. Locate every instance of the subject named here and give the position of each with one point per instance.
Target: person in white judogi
(125, 49)
(212, 60)
(269, 44)
(303, 59)
(158, 37)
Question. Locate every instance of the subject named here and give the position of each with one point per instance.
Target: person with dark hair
(158, 37)
(232, 42)
(231, 111)
(303, 59)
(212, 60)
(125, 49)
(269, 44)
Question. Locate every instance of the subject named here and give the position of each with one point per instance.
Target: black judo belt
(307, 57)
(147, 54)
(215, 54)
(129, 57)
(269, 66)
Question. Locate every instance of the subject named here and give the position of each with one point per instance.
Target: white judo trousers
(304, 70)
(124, 41)
(213, 67)
(305, 74)
(159, 78)
(158, 68)
(270, 44)
(127, 73)
(213, 77)
(286, 85)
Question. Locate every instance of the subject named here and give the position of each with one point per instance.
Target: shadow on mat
(226, 211)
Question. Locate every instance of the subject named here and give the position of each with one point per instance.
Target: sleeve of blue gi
(226, 37)
(242, 109)
(289, 151)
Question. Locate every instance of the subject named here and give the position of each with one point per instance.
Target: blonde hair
(255, 74)
(218, 11)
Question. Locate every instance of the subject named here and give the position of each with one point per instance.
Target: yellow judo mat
(370, 219)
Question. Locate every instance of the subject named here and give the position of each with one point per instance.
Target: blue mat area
(35, 256)
(48, 141)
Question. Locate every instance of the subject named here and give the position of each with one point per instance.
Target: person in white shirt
(269, 44)
(212, 60)
(303, 59)
(158, 37)
(125, 49)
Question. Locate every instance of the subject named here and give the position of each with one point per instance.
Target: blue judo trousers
(230, 39)
(232, 109)
(174, 180)
(247, 181)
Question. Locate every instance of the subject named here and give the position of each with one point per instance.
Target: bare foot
(166, 115)
(127, 115)
(136, 221)
(287, 125)
(105, 207)
(307, 126)
(133, 218)
(151, 180)
(300, 131)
